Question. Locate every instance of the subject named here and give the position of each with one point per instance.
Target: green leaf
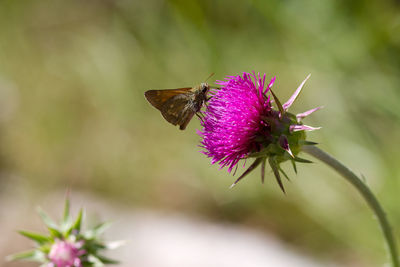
(51, 225)
(30, 255)
(278, 103)
(95, 261)
(283, 172)
(275, 169)
(45, 248)
(100, 228)
(252, 167)
(97, 230)
(106, 260)
(265, 152)
(40, 239)
(95, 245)
(74, 226)
(263, 170)
(66, 218)
(294, 165)
(262, 154)
(77, 224)
(307, 143)
(46, 219)
(55, 233)
(302, 160)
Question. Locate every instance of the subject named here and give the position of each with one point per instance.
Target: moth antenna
(212, 74)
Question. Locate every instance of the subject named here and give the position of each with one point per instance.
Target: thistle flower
(64, 253)
(67, 245)
(240, 123)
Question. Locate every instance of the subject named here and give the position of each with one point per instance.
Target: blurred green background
(73, 114)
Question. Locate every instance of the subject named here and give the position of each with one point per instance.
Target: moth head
(204, 87)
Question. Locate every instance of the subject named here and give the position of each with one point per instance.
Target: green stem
(364, 191)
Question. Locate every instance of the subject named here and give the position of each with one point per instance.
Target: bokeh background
(73, 114)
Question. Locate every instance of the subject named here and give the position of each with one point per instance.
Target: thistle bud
(67, 245)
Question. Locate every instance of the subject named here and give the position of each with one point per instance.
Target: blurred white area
(172, 240)
(154, 239)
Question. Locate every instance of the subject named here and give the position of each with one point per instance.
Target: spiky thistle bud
(67, 245)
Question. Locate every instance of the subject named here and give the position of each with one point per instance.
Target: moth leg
(200, 116)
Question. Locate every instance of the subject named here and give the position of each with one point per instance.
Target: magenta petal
(296, 128)
(301, 116)
(287, 105)
(77, 263)
(270, 84)
(65, 253)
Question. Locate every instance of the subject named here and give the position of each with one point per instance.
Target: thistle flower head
(64, 253)
(67, 245)
(240, 122)
(233, 119)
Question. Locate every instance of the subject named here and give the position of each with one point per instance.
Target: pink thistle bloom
(66, 254)
(240, 122)
(233, 119)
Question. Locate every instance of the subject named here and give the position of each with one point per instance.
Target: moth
(178, 106)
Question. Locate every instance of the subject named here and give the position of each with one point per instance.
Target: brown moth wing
(188, 118)
(158, 97)
(178, 110)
